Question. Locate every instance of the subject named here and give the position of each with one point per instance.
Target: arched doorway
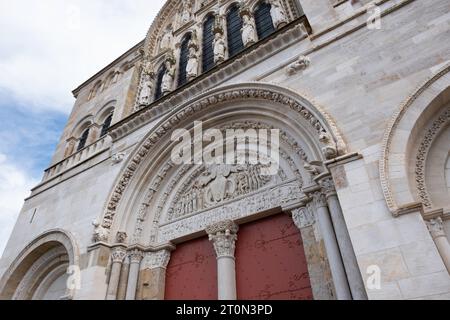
(40, 272)
(159, 203)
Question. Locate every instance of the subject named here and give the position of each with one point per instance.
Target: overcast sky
(48, 48)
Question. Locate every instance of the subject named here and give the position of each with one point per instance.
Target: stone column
(354, 276)
(331, 246)
(223, 235)
(122, 290)
(152, 282)
(133, 275)
(436, 228)
(118, 254)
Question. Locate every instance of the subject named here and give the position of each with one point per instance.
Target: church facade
(355, 96)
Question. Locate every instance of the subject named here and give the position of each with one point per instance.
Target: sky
(47, 49)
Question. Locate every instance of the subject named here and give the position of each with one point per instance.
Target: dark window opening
(208, 38)
(158, 91)
(106, 126)
(263, 20)
(234, 26)
(83, 140)
(184, 56)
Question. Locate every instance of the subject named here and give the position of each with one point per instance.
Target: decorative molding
(118, 254)
(391, 131)
(223, 235)
(136, 256)
(303, 217)
(280, 197)
(156, 260)
(300, 64)
(422, 155)
(436, 228)
(121, 237)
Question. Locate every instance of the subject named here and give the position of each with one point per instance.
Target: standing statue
(193, 59)
(168, 77)
(166, 40)
(186, 12)
(192, 65)
(146, 90)
(248, 30)
(278, 14)
(220, 48)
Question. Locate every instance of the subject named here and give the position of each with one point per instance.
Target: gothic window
(208, 38)
(83, 140)
(182, 78)
(263, 20)
(106, 125)
(234, 26)
(158, 91)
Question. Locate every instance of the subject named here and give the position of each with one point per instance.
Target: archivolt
(393, 167)
(319, 124)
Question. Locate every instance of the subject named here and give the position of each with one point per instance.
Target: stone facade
(363, 115)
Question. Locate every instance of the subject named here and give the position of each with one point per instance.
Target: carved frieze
(216, 185)
(281, 196)
(156, 260)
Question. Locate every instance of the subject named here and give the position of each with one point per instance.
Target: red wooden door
(192, 272)
(270, 261)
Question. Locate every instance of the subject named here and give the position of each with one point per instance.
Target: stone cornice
(135, 48)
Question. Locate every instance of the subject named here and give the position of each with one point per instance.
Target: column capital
(157, 260)
(223, 235)
(118, 254)
(136, 256)
(303, 217)
(436, 227)
(319, 199)
(326, 182)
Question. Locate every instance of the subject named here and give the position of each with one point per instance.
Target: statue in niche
(146, 83)
(278, 14)
(219, 48)
(192, 65)
(166, 40)
(248, 30)
(186, 11)
(168, 77)
(146, 90)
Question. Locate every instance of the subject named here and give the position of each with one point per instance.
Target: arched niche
(32, 270)
(150, 181)
(415, 148)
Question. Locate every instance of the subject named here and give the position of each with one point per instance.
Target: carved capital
(436, 228)
(223, 235)
(118, 254)
(136, 256)
(157, 260)
(121, 237)
(319, 199)
(303, 217)
(327, 185)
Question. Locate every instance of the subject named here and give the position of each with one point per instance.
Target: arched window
(208, 38)
(106, 125)
(263, 20)
(182, 78)
(83, 140)
(234, 26)
(158, 91)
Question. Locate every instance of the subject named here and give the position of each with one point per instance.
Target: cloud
(15, 185)
(49, 47)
